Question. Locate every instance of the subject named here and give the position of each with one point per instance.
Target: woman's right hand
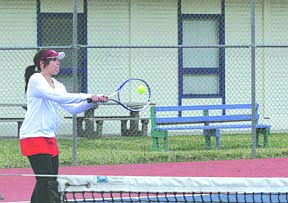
(99, 98)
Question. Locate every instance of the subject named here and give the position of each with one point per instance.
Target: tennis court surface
(258, 180)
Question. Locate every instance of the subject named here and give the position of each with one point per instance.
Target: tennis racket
(134, 95)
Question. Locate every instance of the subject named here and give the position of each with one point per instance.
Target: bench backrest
(165, 115)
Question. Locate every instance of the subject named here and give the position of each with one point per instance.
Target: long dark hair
(30, 70)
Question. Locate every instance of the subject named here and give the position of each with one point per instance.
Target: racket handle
(89, 100)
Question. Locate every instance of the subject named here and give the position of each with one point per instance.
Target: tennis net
(172, 189)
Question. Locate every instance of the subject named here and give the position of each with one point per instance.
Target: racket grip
(89, 100)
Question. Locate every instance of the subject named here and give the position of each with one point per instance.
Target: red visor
(52, 54)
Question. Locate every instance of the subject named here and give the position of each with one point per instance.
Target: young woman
(37, 134)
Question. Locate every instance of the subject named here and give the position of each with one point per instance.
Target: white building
(177, 75)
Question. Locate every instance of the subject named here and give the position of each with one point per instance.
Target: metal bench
(213, 118)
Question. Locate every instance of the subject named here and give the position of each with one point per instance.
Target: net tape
(79, 183)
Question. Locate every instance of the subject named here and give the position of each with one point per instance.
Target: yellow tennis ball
(141, 89)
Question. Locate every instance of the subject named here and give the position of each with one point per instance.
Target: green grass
(124, 150)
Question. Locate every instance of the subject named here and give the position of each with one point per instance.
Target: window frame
(219, 71)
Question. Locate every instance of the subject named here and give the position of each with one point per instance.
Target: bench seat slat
(204, 107)
(111, 118)
(117, 119)
(207, 127)
(11, 119)
(201, 119)
(100, 117)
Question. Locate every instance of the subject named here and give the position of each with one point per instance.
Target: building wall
(133, 23)
(275, 63)
(18, 28)
(154, 22)
(18, 25)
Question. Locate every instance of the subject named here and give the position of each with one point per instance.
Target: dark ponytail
(30, 70)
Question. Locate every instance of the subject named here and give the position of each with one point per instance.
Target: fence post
(75, 67)
(253, 78)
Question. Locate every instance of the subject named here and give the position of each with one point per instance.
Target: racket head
(133, 94)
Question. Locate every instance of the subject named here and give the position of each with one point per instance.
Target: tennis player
(37, 134)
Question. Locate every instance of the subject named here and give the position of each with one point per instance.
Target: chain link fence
(191, 52)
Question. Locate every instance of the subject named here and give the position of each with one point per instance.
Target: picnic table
(13, 118)
(133, 117)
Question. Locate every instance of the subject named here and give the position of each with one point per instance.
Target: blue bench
(209, 118)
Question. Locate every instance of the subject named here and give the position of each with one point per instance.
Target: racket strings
(129, 96)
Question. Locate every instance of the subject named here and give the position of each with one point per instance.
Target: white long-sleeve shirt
(43, 101)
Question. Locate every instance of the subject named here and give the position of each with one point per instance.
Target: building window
(201, 59)
(200, 84)
(200, 32)
(56, 29)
